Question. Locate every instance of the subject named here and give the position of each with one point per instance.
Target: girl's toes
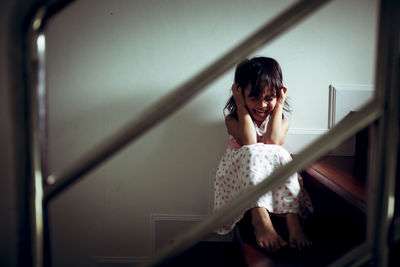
(282, 243)
(269, 247)
(278, 244)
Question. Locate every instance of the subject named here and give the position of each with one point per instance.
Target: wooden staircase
(337, 189)
(337, 225)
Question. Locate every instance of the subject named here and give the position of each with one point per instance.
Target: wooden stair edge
(340, 182)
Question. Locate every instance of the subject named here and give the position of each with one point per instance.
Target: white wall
(107, 60)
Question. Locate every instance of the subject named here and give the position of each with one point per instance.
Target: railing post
(29, 237)
(36, 93)
(26, 51)
(385, 141)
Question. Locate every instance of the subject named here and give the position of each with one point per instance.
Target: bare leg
(297, 237)
(266, 236)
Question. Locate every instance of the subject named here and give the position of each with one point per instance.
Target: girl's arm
(277, 125)
(242, 129)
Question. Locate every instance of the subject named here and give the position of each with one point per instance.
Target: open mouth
(261, 113)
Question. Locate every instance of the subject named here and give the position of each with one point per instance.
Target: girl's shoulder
(231, 120)
(231, 117)
(230, 123)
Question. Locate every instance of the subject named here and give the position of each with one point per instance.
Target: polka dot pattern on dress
(249, 165)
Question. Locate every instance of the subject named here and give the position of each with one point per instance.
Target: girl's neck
(259, 123)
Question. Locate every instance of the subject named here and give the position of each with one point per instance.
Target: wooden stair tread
(341, 178)
(339, 181)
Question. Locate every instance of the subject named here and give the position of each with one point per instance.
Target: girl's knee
(282, 151)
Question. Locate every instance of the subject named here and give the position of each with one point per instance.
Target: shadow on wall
(167, 171)
(176, 151)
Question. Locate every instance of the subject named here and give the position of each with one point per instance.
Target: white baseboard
(164, 228)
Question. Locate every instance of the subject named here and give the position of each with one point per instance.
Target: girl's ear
(244, 89)
(278, 93)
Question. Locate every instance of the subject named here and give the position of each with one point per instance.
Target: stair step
(337, 225)
(317, 255)
(340, 181)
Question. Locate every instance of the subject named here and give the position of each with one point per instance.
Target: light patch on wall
(344, 99)
(299, 138)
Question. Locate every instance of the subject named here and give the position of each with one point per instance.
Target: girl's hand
(241, 128)
(238, 96)
(277, 126)
(282, 96)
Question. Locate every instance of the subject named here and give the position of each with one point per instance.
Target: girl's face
(259, 108)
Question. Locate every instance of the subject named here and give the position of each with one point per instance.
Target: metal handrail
(33, 24)
(157, 112)
(37, 18)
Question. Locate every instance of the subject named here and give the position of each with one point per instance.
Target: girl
(257, 129)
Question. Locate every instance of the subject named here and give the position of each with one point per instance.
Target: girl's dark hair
(258, 72)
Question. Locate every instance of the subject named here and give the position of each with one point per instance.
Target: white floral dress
(245, 166)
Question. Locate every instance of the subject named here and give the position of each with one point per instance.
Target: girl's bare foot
(297, 237)
(266, 236)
